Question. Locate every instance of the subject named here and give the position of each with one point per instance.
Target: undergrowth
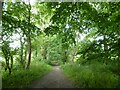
(95, 75)
(22, 78)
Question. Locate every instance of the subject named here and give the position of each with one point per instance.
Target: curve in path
(54, 79)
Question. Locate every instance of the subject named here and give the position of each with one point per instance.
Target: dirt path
(54, 79)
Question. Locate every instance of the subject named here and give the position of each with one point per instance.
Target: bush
(22, 78)
(91, 76)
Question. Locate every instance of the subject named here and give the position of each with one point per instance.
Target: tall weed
(91, 76)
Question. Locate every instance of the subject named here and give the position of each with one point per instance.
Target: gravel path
(54, 79)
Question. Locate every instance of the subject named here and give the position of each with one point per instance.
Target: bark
(106, 50)
(29, 56)
(65, 57)
(25, 57)
(1, 6)
(29, 38)
(9, 70)
(5, 52)
(21, 54)
(11, 61)
(44, 53)
(36, 53)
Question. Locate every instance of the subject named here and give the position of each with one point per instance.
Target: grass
(94, 75)
(22, 78)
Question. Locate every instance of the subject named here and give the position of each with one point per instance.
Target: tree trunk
(11, 61)
(21, 54)
(65, 57)
(44, 53)
(36, 52)
(25, 57)
(29, 56)
(106, 50)
(29, 38)
(1, 6)
(7, 57)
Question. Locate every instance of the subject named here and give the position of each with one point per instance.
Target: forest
(81, 38)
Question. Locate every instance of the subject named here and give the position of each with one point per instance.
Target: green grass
(94, 75)
(23, 78)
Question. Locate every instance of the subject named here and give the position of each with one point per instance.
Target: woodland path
(54, 79)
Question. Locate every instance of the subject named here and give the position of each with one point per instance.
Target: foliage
(86, 33)
(54, 51)
(50, 49)
(22, 78)
(91, 76)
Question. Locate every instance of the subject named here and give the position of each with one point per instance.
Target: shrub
(91, 76)
(22, 78)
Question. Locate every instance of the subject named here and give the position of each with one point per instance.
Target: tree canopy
(60, 32)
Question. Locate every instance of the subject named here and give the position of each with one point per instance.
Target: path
(54, 79)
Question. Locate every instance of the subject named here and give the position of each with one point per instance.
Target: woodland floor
(54, 79)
